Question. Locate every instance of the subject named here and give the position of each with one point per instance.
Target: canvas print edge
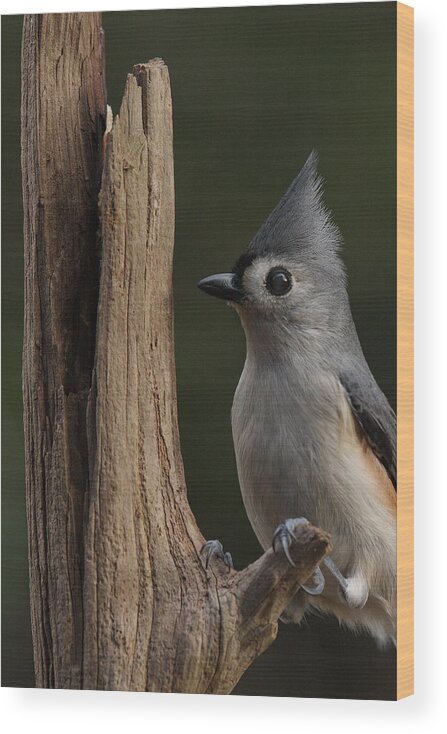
(405, 296)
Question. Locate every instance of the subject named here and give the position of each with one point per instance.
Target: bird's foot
(214, 549)
(284, 537)
(353, 589)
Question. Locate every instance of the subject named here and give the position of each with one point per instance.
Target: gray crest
(300, 226)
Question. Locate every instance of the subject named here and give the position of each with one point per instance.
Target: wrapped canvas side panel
(405, 515)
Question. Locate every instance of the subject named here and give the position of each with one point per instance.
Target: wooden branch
(152, 615)
(63, 109)
(250, 603)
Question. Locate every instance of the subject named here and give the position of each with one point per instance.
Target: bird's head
(290, 275)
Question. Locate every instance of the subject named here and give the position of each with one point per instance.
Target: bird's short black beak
(222, 286)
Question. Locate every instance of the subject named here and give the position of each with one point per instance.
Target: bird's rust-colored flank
(375, 469)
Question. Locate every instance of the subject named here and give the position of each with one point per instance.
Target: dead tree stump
(120, 596)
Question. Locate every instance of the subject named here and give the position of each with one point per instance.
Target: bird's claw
(354, 589)
(284, 535)
(335, 571)
(214, 549)
(319, 583)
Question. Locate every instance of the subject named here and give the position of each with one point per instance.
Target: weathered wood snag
(121, 598)
(63, 112)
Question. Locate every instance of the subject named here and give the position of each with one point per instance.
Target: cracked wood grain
(122, 599)
(63, 108)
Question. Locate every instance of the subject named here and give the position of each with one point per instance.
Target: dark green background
(254, 90)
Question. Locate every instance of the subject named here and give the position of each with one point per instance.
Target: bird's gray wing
(375, 417)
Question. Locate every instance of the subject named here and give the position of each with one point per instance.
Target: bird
(314, 435)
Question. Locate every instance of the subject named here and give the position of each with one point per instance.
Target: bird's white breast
(298, 454)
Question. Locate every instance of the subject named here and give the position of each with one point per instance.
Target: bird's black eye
(279, 281)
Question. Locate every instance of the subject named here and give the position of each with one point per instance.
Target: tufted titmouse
(314, 436)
